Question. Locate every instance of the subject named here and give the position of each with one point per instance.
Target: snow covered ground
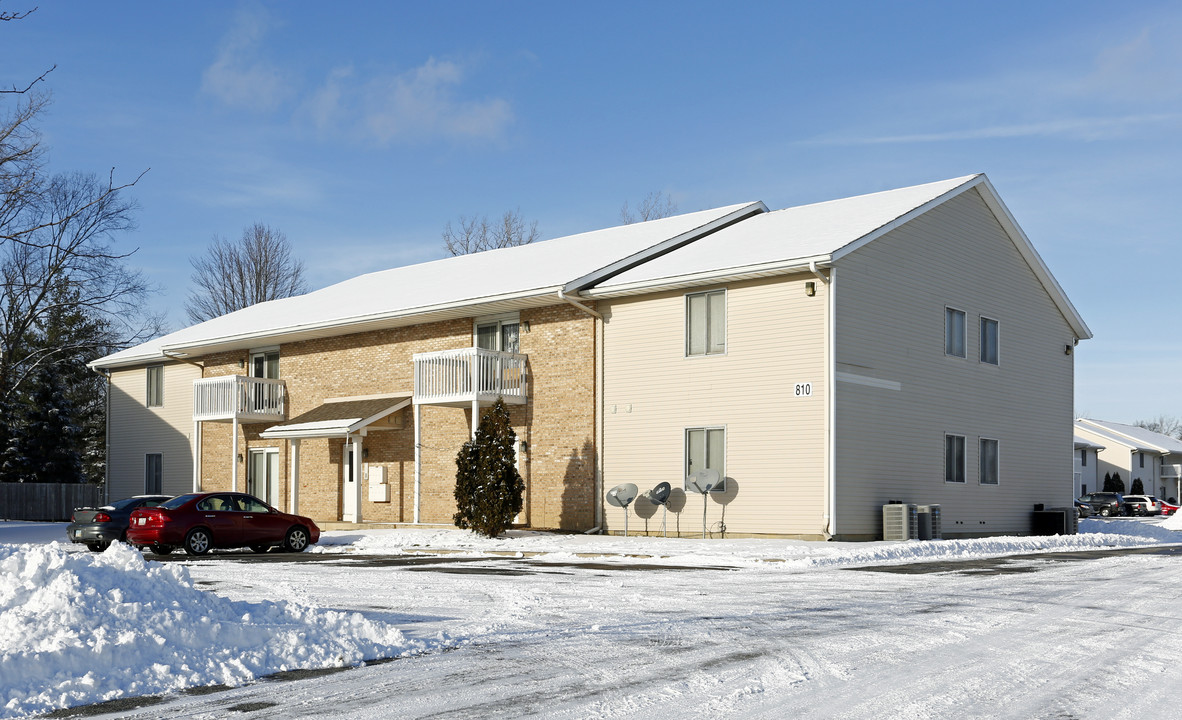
(588, 626)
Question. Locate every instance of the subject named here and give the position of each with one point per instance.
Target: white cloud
(239, 77)
(1086, 129)
(421, 103)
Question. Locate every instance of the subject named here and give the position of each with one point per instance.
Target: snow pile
(1173, 522)
(78, 628)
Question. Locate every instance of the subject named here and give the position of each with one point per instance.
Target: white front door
(262, 475)
(348, 486)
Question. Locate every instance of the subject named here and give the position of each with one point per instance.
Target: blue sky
(360, 129)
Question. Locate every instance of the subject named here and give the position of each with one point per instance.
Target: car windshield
(176, 502)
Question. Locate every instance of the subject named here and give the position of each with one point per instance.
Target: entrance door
(348, 486)
(262, 475)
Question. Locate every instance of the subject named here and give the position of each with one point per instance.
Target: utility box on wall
(379, 489)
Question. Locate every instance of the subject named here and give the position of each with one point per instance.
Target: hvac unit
(1054, 521)
(929, 522)
(899, 522)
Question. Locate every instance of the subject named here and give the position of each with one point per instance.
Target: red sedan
(1168, 508)
(200, 521)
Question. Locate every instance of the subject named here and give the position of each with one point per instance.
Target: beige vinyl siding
(775, 442)
(890, 298)
(137, 430)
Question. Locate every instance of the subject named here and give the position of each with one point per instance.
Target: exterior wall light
(810, 288)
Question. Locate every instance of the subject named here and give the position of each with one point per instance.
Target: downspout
(107, 439)
(830, 401)
(597, 354)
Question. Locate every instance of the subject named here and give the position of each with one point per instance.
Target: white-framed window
(262, 475)
(954, 459)
(264, 363)
(153, 474)
(705, 449)
(1141, 459)
(705, 323)
(155, 392)
(989, 459)
(499, 332)
(989, 341)
(1083, 457)
(954, 333)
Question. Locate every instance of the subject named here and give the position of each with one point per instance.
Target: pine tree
(1138, 488)
(1108, 484)
(1118, 485)
(46, 449)
(489, 489)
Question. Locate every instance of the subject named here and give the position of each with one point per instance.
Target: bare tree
(1164, 424)
(231, 276)
(478, 234)
(654, 206)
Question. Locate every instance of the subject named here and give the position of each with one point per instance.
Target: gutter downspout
(107, 439)
(598, 354)
(830, 402)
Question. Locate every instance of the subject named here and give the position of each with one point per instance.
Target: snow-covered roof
(1135, 438)
(339, 417)
(1083, 442)
(822, 233)
(502, 279)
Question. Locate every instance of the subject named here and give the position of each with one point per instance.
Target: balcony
(460, 377)
(234, 397)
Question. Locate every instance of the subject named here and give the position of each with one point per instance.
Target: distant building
(1136, 454)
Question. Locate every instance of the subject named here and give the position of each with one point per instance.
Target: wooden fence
(46, 502)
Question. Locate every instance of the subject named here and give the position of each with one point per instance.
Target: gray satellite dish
(703, 481)
(660, 496)
(622, 496)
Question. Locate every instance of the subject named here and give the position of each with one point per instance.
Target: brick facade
(558, 422)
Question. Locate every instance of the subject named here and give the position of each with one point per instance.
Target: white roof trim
(779, 267)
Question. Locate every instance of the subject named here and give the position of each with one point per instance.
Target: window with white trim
(499, 333)
(954, 333)
(155, 392)
(264, 364)
(1083, 457)
(705, 323)
(705, 449)
(989, 341)
(153, 474)
(954, 458)
(989, 459)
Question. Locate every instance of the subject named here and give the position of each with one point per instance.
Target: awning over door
(338, 417)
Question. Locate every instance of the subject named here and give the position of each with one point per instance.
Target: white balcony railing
(247, 399)
(467, 374)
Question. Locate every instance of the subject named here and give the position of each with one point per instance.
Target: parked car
(198, 522)
(1104, 504)
(1083, 510)
(98, 527)
(1168, 508)
(1142, 505)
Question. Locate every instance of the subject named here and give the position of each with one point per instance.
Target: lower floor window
(153, 474)
(705, 449)
(954, 458)
(989, 462)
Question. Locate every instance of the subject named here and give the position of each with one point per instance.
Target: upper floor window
(1141, 459)
(954, 333)
(155, 394)
(988, 341)
(1083, 457)
(264, 364)
(705, 323)
(954, 458)
(499, 333)
(989, 462)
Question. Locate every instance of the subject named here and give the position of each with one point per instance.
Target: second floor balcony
(459, 377)
(236, 397)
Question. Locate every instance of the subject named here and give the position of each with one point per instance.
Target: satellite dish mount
(622, 496)
(703, 481)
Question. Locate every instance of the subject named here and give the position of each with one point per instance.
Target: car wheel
(197, 542)
(296, 540)
(1105, 512)
(97, 546)
(162, 549)
(260, 548)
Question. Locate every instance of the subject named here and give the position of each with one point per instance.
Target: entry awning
(338, 417)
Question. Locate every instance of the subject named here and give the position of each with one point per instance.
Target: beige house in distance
(825, 359)
(1135, 454)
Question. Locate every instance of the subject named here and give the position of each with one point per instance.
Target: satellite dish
(660, 494)
(622, 495)
(703, 481)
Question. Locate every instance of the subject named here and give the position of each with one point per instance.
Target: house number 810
(804, 389)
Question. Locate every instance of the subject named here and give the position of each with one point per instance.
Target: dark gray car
(97, 528)
(1104, 504)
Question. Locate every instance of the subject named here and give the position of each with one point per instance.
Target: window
(705, 449)
(503, 333)
(705, 323)
(1083, 457)
(954, 458)
(989, 462)
(153, 474)
(1141, 459)
(155, 386)
(265, 364)
(988, 341)
(954, 339)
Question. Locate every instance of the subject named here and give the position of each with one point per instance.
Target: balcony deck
(459, 377)
(236, 397)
